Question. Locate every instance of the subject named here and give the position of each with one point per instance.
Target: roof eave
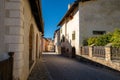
(37, 13)
(68, 12)
(75, 4)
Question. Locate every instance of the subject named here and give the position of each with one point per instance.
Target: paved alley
(39, 72)
(62, 68)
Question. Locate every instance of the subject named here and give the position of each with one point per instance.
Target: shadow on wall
(67, 49)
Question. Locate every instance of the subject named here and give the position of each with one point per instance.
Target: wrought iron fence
(98, 51)
(115, 53)
(6, 68)
(85, 50)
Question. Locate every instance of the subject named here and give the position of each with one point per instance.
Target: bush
(103, 39)
(85, 43)
(100, 40)
(116, 38)
(91, 40)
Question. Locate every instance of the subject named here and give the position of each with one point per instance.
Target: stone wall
(14, 33)
(29, 23)
(16, 19)
(2, 27)
(107, 61)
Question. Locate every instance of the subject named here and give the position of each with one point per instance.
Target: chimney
(69, 6)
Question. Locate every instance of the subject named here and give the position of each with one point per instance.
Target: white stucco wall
(63, 31)
(94, 15)
(15, 21)
(98, 15)
(70, 26)
(57, 42)
(73, 25)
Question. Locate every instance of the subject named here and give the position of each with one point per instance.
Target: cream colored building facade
(85, 19)
(45, 43)
(50, 45)
(57, 41)
(21, 28)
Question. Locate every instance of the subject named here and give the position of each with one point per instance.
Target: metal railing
(85, 50)
(98, 51)
(115, 53)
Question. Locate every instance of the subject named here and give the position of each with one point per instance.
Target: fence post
(81, 50)
(11, 54)
(108, 53)
(90, 51)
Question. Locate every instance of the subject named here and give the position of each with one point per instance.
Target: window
(99, 32)
(73, 35)
(61, 31)
(63, 39)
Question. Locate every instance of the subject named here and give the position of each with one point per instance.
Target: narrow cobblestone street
(39, 72)
(56, 67)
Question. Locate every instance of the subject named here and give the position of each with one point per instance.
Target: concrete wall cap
(92, 45)
(109, 45)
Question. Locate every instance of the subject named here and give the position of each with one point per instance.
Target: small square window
(73, 35)
(61, 31)
(99, 32)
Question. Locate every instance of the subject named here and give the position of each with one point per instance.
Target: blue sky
(53, 11)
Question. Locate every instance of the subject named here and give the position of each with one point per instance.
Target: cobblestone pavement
(39, 71)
